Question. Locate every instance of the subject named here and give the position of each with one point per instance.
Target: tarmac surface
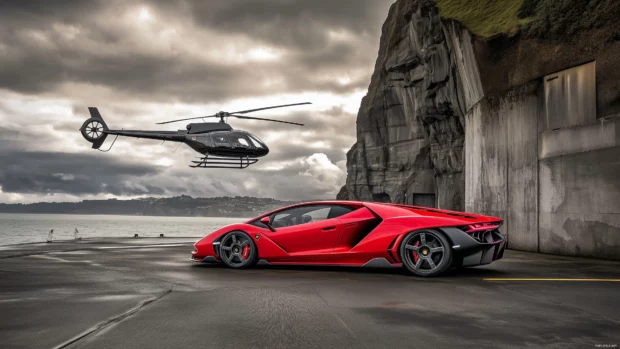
(146, 293)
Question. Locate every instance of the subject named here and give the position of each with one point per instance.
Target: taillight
(484, 232)
(480, 227)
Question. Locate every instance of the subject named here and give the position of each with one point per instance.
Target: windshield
(257, 142)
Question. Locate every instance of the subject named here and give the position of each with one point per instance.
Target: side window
(220, 140)
(282, 219)
(300, 215)
(337, 211)
(318, 215)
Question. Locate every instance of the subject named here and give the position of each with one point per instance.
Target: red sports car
(426, 241)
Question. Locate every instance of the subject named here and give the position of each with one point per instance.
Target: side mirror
(267, 221)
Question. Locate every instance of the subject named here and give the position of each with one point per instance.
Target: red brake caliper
(415, 254)
(246, 251)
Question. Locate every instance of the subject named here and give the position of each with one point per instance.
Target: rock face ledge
(410, 126)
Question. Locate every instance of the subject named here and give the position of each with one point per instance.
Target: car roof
(326, 202)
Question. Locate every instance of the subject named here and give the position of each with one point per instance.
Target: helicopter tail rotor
(93, 129)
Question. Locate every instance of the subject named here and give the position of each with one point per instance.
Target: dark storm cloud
(47, 43)
(42, 172)
(290, 23)
(45, 172)
(31, 11)
(41, 70)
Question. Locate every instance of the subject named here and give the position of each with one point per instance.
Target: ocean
(23, 228)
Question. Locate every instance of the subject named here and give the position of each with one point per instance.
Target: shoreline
(117, 214)
(96, 239)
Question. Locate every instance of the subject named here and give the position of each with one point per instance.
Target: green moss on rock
(554, 19)
(485, 17)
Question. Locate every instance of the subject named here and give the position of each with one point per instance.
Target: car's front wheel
(426, 253)
(238, 250)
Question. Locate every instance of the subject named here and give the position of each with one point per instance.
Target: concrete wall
(554, 178)
(501, 176)
(522, 108)
(580, 204)
(577, 139)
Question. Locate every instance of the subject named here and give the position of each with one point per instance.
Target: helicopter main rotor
(223, 114)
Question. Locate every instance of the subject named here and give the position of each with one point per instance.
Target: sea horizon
(115, 214)
(18, 228)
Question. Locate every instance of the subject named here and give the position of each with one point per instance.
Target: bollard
(161, 235)
(135, 235)
(50, 236)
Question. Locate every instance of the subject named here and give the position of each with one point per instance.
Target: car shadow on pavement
(453, 272)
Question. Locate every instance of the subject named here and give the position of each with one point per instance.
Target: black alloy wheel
(426, 253)
(238, 250)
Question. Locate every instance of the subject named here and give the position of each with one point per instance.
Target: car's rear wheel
(426, 253)
(238, 250)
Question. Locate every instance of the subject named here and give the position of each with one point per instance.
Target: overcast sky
(142, 62)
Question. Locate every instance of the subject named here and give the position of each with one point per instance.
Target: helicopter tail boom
(94, 129)
(171, 136)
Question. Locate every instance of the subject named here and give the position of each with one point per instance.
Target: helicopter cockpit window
(240, 139)
(256, 141)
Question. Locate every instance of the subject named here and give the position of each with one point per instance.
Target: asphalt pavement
(146, 293)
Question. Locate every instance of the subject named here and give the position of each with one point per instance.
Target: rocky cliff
(410, 126)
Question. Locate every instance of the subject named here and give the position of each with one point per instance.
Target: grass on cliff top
(485, 17)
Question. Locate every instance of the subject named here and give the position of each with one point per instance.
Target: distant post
(50, 236)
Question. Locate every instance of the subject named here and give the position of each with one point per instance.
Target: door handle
(328, 228)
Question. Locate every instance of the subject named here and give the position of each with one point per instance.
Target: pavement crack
(111, 321)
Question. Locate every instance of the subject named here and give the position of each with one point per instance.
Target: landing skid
(223, 162)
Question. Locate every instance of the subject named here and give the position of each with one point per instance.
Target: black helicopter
(221, 145)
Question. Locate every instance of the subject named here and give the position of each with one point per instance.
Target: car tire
(426, 252)
(233, 250)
